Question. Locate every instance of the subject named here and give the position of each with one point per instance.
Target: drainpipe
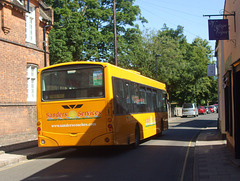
(28, 5)
(45, 42)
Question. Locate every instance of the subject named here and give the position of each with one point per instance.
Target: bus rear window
(72, 83)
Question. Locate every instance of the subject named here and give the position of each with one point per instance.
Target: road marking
(14, 165)
(185, 160)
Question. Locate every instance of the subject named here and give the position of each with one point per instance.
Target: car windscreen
(72, 82)
(188, 105)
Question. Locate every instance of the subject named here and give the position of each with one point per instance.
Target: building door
(228, 103)
(236, 91)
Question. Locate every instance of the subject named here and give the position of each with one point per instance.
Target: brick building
(22, 51)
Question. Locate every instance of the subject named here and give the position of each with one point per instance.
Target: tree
(165, 60)
(179, 64)
(83, 30)
(198, 56)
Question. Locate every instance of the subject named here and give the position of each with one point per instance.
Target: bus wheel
(137, 137)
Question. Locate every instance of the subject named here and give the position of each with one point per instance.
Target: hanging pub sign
(218, 29)
(211, 70)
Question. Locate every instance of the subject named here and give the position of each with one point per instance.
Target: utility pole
(115, 32)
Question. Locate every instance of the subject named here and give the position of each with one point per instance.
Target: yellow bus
(97, 104)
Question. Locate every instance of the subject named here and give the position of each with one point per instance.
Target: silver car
(189, 109)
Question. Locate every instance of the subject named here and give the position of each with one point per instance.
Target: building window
(20, 1)
(31, 82)
(30, 25)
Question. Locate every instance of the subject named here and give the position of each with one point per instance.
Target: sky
(187, 13)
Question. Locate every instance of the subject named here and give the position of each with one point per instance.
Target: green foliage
(182, 66)
(83, 30)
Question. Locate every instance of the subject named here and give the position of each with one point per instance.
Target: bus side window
(128, 100)
(134, 96)
(162, 101)
(142, 106)
(158, 101)
(149, 101)
(154, 96)
(117, 96)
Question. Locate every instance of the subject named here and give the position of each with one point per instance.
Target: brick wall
(13, 71)
(15, 21)
(17, 116)
(18, 123)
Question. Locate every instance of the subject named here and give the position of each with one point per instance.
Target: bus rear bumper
(102, 140)
(46, 142)
(106, 139)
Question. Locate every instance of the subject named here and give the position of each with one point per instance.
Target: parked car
(201, 110)
(207, 110)
(212, 109)
(189, 109)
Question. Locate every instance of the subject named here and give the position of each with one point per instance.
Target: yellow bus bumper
(77, 140)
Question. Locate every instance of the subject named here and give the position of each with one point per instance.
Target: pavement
(14, 154)
(213, 160)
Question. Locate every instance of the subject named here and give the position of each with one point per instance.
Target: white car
(189, 109)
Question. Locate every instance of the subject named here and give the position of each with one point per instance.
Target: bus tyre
(137, 137)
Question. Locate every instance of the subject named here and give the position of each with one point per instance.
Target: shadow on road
(159, 157)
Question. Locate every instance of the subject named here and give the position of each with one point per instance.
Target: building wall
(18, 123)
(228, 54)
(18, 116)
(15, 21)
(221, 72)
(13, 70)
(231, 46)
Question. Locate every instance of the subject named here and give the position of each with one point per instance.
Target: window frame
(30, 29)
(63, 91)
(32, 82)
(20, 1)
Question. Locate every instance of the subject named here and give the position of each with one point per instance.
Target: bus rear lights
(43, 142)
(109, 119)
(110, 127)
(38, 123)
(39, 130)
(107, 139)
